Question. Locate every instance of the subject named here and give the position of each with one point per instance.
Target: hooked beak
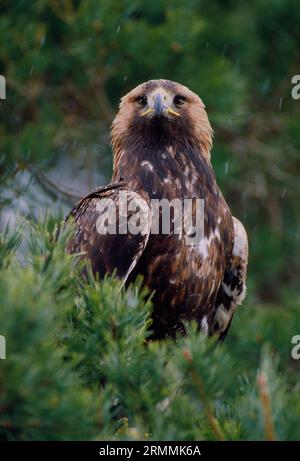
(158, 107)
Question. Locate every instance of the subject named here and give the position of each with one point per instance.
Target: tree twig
(204, 398)
(265, 400)
(52, 188)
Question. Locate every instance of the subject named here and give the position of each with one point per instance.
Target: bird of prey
(161, 141)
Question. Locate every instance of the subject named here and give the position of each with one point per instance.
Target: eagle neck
(177, 166)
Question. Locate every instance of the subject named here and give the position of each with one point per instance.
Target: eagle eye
(179, 100)
(142, 100)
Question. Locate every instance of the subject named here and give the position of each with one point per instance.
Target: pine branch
(204, 399)
(265, 400)
(52, 188)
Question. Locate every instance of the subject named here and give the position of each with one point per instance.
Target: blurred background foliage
(67, 63)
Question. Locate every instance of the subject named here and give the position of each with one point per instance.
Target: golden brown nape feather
(186, 109)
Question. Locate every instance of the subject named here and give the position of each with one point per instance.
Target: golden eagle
(161, 140)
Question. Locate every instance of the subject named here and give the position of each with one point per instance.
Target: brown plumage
(161, 140)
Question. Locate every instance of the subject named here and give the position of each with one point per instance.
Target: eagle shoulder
(108, 248)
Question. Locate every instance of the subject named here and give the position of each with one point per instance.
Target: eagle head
(158, 111)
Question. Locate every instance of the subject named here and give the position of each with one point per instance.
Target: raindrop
(65, 146)
(225, 48)
(42, 40)
(283, 193)
(118, 29)
(226, 167)
(125, 78)
(280, 104)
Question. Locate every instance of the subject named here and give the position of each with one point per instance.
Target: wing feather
(111, 251)
(233, 288)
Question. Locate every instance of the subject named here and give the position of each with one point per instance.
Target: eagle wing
(112, 251)
(233, 288)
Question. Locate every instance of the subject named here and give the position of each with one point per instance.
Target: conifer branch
(204, 398)
(265, 400)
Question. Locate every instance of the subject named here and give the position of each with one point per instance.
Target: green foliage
(40, 397)
(79, 364)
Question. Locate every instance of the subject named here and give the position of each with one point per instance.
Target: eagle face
(163, 100)
(163, 110)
